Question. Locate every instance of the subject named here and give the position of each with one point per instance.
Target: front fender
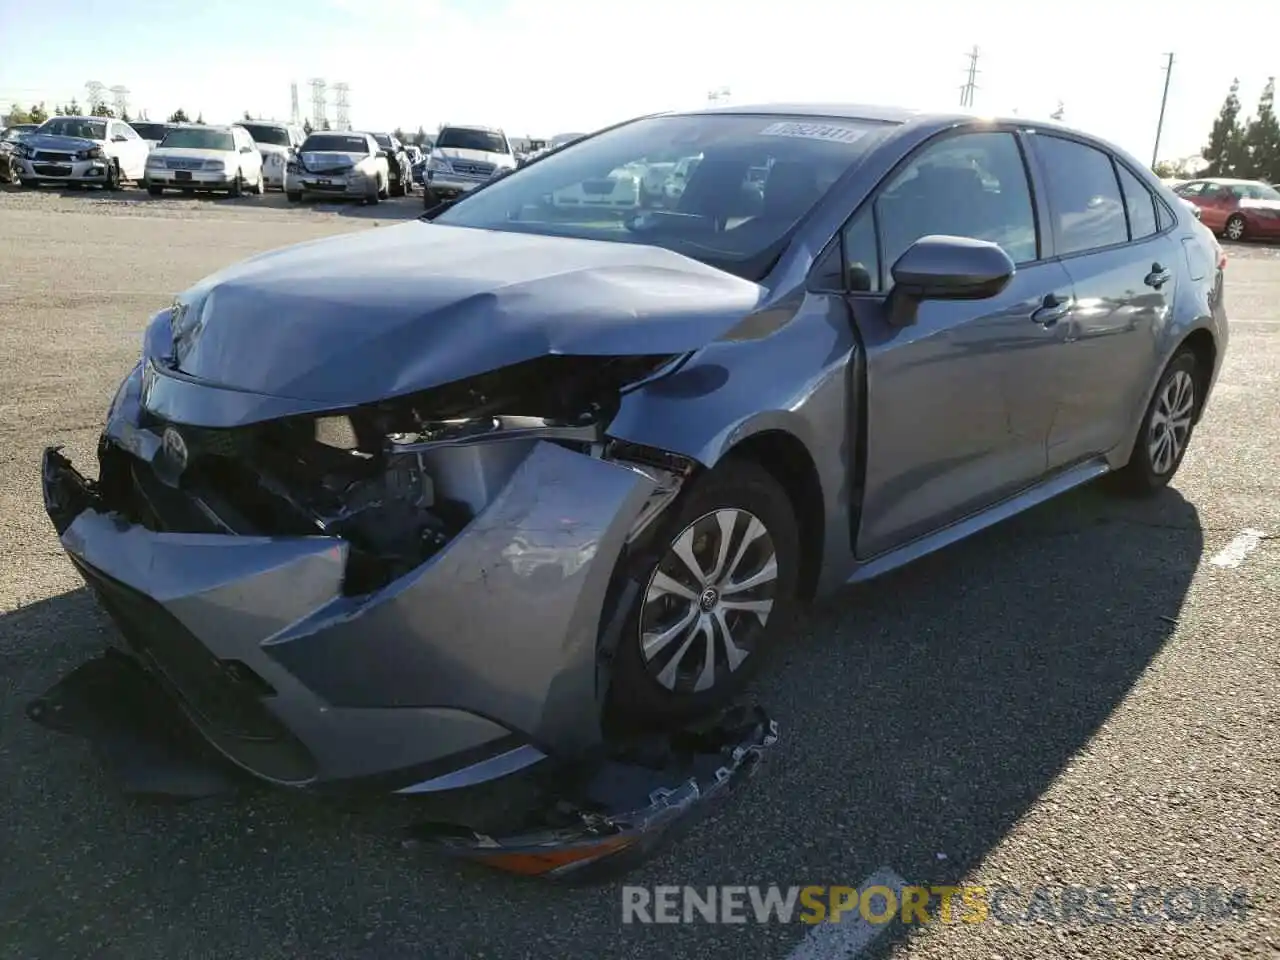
(777, 371)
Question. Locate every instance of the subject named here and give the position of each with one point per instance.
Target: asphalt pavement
(1086, 696)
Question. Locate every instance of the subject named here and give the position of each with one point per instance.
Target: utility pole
(1164, 99)
(970, 85)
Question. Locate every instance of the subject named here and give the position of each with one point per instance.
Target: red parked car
(1235, 208)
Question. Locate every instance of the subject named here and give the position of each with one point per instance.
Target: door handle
(1158, 276)
(1052, 310)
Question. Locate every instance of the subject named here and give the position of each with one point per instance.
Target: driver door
(959, 404)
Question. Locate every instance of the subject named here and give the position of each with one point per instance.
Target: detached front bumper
(475, 665)
(92, 172)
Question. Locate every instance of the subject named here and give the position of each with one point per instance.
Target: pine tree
(1263, 137)
(179, 116)
(1226, 139)
(307, 128)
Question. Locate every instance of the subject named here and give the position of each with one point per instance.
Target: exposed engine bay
(397, 479)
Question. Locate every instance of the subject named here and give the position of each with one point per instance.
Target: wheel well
(1200, 343)
(788, 462)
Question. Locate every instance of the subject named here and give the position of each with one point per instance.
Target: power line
(1164, 99)
(970, 85)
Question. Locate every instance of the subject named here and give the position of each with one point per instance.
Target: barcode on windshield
(813, 131)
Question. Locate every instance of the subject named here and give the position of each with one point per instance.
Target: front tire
(113, 176)
(293, 196)
(155, 191)
(237, 186)
(1235, 228)
(1166, 429)
(716, 584)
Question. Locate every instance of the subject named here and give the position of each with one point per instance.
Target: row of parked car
(1233, 208)
(255, 156)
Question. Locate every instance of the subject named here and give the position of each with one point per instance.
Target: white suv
(462, 159)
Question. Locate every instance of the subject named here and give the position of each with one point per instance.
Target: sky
(541, 67)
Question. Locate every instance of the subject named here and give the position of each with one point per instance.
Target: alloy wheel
(708, 600)
(1235, 228)
(1171, 422)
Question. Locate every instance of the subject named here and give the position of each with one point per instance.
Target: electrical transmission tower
(970, 85)
(120, 99)
(319, 117)
(295, 114)
(1059, 113)
(95, 92)
(719, 95)
(342, 105)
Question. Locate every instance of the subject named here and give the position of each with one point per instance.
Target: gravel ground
(1077, 697)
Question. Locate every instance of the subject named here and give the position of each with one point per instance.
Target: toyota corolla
(423, 506)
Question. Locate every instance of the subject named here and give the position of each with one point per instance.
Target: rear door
(1114, 237)
(959, 404)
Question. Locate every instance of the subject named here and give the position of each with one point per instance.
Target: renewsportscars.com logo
(880, 904)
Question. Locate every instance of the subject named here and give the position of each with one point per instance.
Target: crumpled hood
(357, 318)
(47, 141)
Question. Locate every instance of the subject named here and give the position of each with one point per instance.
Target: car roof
(472, 126)
(224, 127)
(1231, 181)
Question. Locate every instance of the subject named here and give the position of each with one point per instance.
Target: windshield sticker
(832, 132)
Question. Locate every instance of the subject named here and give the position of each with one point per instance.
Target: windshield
(150, 131)
(14, 132)
(74, 127)
(723, 188)
(261, 133)
(460, 138)
(198, 138)
(334, 143)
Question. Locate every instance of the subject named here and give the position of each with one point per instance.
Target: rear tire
(1235, 228)
(397, 187)
(1166, 429)
(703, 645)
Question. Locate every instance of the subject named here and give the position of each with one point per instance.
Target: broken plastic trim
(631, 805)
(480, 429)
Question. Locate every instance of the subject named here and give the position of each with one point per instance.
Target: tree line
(1247, 148)
(39, 113)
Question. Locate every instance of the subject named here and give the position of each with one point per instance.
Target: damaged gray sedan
(420, 507)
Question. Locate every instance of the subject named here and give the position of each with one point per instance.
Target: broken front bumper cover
(624, 808)
(412, 688)
(604, 814)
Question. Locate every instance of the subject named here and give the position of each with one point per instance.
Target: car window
(971, 185)
(1084, 194)
(1192, 189)
(1216, 191)
(1140, 204)
(861, 258)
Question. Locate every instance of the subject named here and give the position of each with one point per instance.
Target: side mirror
(246, 149)
(946, 268)
(119, 138)
(382, 154)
